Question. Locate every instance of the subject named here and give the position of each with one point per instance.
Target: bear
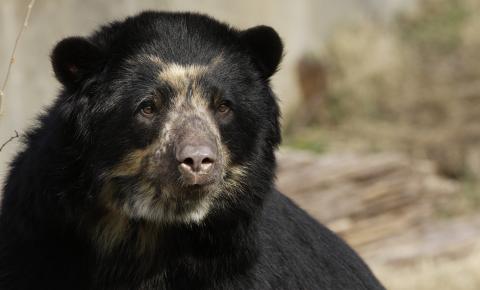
(154, 168)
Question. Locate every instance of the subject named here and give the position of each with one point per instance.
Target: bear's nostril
(197, 163)
(207, 161)
(189, 162)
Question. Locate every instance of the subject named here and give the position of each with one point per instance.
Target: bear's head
(173, 113)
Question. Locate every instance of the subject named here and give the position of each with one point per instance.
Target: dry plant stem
(9, 140)
(12, 58)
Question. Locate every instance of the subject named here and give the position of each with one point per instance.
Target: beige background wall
(303, 24)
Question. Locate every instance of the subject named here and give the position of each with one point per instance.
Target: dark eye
(147, 109)
(223, 108)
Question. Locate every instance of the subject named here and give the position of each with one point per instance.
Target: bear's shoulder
(295, 245)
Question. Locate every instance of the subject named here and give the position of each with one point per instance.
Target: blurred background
(381, 116)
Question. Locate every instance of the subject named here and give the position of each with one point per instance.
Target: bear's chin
(188, 206)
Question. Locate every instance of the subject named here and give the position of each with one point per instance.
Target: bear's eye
(223, 108)
(147, 108)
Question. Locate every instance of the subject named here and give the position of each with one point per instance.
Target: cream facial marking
(189, 100)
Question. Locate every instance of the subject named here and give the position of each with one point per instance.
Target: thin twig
(12, 58)
(9, 140)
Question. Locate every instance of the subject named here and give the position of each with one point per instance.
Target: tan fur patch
(178, 75)
(131, 164)
(110, 231)
(115, 229)
(236, 181)
(153, 58)
(216, 61)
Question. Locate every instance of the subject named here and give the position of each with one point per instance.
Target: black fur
(75, 59)
(265, 46)
(255, 238)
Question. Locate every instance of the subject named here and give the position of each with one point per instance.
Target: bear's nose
(196, 158)
(196, 162)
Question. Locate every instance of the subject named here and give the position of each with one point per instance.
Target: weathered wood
(367, 199)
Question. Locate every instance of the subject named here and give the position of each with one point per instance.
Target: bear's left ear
(265, 46)
(74, 59)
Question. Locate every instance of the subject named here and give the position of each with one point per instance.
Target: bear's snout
(197, 157)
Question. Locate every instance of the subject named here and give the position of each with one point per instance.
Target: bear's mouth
(140, 198)
(191, 192)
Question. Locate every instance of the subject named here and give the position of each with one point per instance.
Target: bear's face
(174, 123)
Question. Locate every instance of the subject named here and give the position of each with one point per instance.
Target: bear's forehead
(180, 37)
(175, 74)
(216, 72)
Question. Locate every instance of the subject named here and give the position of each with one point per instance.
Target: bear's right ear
(265, 46)
(74, 59)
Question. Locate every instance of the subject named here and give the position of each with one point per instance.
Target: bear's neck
(129, 251)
